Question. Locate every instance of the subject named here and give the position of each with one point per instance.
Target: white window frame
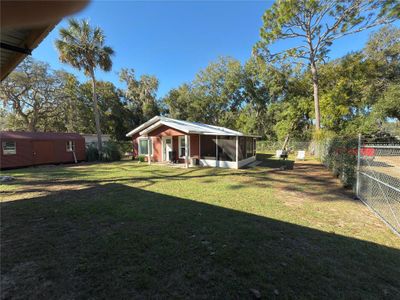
(70, 146)
(9, 151)
(152, 146)
(180, 146)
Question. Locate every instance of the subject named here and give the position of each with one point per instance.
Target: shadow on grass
(309, 179)
(306, 179)
(268, 161)
(115, 241)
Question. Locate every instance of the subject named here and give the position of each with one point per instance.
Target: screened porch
(227, 151)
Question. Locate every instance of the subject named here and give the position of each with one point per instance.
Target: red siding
(23, 157)
(157, 135)
(135, 145)
(165, 131)
(157, 149)
(61, 154)
(175, 146)
(194, 145)
(40, 148)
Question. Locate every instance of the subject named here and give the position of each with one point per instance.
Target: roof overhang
(159, 124)
(16, 44)
(24, 25)
(143, 126)
(184, 127)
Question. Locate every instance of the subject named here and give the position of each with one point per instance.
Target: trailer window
(70, 146)
(9, 148)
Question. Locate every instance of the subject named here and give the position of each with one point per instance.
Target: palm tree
(82, 47)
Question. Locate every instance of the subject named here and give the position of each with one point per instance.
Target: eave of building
(143, 126)
(16, 44)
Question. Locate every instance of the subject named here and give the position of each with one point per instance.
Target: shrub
(92, 154)
(339, 154)
(141, 158)
(125, 146)
(111, 152)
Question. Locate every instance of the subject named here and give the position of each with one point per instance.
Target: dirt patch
(310, 182)
(39, 190)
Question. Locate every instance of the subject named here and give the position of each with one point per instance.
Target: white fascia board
(144, 125)
(150, 128)
(160, 123)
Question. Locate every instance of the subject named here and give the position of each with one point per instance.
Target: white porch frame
(237, 152)
(187, 142)
(186, 151)
(163, 145)
(149, 153)
(236, 164)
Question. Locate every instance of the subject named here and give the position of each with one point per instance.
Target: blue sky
(173, 40)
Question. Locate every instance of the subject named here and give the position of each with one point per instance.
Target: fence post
(358, 166)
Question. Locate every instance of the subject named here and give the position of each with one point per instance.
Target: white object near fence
(278, 153)
(301, 155)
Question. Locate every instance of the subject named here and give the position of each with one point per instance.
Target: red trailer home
(163, 139)
(21, 149)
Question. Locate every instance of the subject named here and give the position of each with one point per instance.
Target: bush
(125, 146)
(111, 152)
(339, 154)
(141, 158)
(92, 154)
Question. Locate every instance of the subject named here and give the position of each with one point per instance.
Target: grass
(129, 230)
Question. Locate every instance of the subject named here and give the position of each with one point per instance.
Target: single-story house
(22, 149)
(163, 139)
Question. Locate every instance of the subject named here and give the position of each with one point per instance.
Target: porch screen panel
(227, 148)
(242, 148)
(207, 147)
(249, 147)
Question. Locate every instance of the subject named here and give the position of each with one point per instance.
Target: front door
(167, 148)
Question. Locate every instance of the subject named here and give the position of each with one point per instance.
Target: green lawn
(125, 230)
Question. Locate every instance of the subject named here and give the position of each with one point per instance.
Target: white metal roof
(143, 126)
(184, 126)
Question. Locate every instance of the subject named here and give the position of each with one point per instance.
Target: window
(70, 146)
(9, 148)
(144, 147)
(182, 146)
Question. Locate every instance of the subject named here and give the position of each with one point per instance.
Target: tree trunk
(314, 73)
(96, 116)
(285, 143)
(31, 126)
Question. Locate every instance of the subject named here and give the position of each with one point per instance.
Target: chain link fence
(370, 168)
(339, 155)
(292, 146)
(378, 180)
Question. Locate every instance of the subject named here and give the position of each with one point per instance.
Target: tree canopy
(313, 25)
(358, 93)
(83, 47)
